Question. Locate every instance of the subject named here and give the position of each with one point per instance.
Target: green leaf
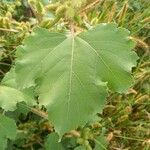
(9, 84)
(9, 97)
(72, 73)
(52, 142)
(101, 143)
(7, 130)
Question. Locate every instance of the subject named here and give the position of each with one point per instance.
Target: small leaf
(7, 130)
(27, 94)
(101, 143)
(52, 142)
(9, 97)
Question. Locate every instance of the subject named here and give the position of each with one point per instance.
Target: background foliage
(126, 117)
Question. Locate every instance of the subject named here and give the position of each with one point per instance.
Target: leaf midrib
(70, 76)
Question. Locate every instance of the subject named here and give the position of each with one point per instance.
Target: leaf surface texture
(74, 73)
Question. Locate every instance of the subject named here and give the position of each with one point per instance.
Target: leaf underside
(72, 74)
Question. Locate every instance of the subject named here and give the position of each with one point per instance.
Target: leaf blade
(73, 72)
